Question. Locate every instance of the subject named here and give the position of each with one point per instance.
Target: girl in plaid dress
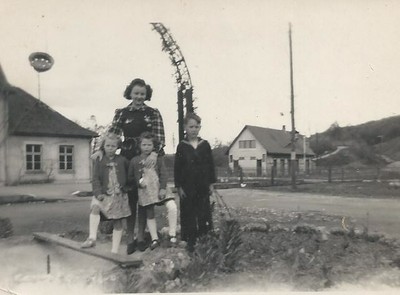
(130, 122)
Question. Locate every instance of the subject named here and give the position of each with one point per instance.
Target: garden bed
(269, 250)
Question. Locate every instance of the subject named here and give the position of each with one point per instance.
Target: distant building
(257, 149)
(38, 144)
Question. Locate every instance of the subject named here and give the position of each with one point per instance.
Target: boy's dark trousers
(196, 217)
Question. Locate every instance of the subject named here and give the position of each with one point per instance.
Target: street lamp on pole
(41, 62)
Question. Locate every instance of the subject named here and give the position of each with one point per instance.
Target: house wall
(50, 160)
(248, 165)
(283, 163)
(3, 139)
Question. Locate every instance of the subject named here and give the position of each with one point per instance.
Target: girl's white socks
(151, 224)
(116, 240)
(94, 221)
(172, 217)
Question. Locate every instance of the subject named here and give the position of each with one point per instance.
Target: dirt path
(380, 215)
(56, 217)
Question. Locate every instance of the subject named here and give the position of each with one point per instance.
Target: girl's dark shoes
(141, 245)
(154, 244)
(131, 247)
(190, 247)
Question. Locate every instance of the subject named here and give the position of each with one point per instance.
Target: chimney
(283, 127)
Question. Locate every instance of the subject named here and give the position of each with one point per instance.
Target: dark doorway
(258, 167)
(235, 166)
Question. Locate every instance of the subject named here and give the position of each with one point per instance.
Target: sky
(346, 59)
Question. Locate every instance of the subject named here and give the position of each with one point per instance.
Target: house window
(253, 158)
(66, 157)
(247, 144)
(230, 158)
(241, 158)
(33, 157)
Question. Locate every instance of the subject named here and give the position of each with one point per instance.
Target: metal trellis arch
(182, 75)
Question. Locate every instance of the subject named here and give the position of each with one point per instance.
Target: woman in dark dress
(194, 178)
(131, 122)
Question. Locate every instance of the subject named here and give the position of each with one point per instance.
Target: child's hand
(212, 189)
(125, 189)
(100, 197)
(97, 155)
(162, 194)
(181, 193)
(142, 183)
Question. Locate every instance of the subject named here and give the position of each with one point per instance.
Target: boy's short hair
(192, 116)
(148, 135)
(111, 136)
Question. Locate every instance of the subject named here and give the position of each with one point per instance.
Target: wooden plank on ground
(122, 260)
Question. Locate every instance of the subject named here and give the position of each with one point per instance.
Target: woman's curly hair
(138, 82)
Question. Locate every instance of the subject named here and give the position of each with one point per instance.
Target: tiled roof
(275, 141)
(30, 116)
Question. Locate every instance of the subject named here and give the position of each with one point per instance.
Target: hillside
(368, 143)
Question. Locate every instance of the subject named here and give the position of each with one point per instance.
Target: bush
(215, 252)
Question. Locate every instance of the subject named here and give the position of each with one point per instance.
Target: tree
(220, 156)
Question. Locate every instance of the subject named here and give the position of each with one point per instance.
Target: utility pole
(293, 151)
(304, 154)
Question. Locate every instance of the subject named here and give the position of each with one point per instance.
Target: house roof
(274, 141)
(3, 79)
(30, 116)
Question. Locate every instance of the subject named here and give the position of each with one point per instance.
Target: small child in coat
(110, 188)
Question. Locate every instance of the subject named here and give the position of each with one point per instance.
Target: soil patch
(306, 251)
(290, 251)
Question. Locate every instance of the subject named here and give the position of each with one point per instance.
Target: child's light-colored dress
(115, 204)
(149, 187)
(148, 179)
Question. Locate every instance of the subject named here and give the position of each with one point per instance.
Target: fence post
(329, 174)
(378, 173)
(240, 174)
(272, 175)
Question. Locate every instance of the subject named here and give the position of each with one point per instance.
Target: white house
(38, 144)
(257, 150)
